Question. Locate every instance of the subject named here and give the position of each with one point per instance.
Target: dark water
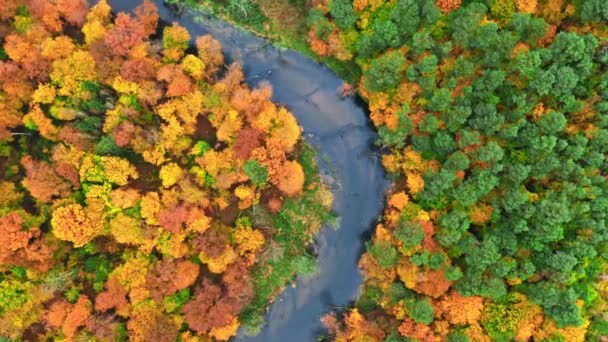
(339, 130)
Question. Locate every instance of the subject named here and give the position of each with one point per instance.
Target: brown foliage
(73, 11)
(210, 52)
(271, 158)
(127, 33)
(212, 242)
(56, 314)
(107, 65)
(233, 79)
(104, 327)
(138, 69)
(418, 331)
(173, 218)
(238, 284)
(124, 133)
(251, 102)
(180, 85)
(149, 323)
(114, 296)
(432, 283)
(77, 317)
(213, 308)
(69, 172)
(8, 8)
(197, 311)
(448, 5)
(247, 140)
(71, 135)
(147, 14)
(42, 181)
(168, 277)
(12, 237)
(37, 255)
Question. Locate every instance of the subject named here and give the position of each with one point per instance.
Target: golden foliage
(219, 264)
(132, 276)
(194, 66)
(70, 71)
(126, 229)
(415, 182)
(457, 309)
(291, 178)
(45, 93)
(527, 6)
(480, 214)
(226, 332)
(111, 169)
(280, 124)
(228, 128)
(76, 224)
(170, 174)
(398, 200)
(408, 273)
(44, 125)
(248, 240)
(571, 334)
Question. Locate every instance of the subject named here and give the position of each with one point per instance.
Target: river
(339, 129)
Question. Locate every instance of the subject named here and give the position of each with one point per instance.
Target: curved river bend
(339, 130)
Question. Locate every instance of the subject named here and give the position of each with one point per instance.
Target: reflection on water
(336, 127)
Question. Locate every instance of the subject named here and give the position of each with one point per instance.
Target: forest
(492, 119)
(147, 193)
(493, 116)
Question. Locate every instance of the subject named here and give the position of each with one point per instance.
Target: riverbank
(339, 130)
(283, 23)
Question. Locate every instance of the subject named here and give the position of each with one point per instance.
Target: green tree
(255, 172)
(396, 137)
(593, 11)
(406, 14)
(343, 13)
(558, 303)
(384, 72)
(421, 311)
(385, 254)
(409, 232)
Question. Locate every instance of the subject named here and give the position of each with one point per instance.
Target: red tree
(127, 33)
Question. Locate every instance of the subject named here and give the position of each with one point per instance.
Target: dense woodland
(146, 193)
(493, 116)
(126, 161)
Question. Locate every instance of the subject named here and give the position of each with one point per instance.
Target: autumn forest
(150, 192)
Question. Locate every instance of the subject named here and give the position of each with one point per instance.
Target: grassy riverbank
(282, 22)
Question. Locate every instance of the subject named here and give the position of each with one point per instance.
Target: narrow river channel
(338, 128)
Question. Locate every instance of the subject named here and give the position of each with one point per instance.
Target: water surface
(338, 128)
